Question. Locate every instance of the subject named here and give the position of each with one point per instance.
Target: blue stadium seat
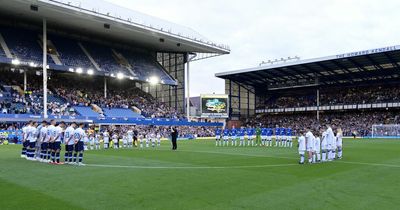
(118, 112)
(24, 44)
(85, 111)
(70, 52)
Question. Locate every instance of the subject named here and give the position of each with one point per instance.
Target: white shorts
(225, 137)
(269, 138)
(241, 138)
(301, 152)
(310, 149)
(218, 137)
(263, 137)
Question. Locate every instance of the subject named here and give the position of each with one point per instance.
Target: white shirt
(317, 144)
(50, 129)
(302, 144)
(32, 133)
(339, 139)
(43, 134)
(106, 136)
(69, 135)
(57, 132)
(324, 143)
(115, 138)
(25, 130)
(130, 134)
(79, 134)
(310, 140)
(330, 137)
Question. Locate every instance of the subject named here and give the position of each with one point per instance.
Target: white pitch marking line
(370, 164)
(190, 167)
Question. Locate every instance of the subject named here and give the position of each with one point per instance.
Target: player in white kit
(330, 137)
(69, 143)
(302, 147)
(32, 138)
(310, 146)
(97, 141)
(158, 136)
(129, 134)
(125, 140)
(317, 148)
(339, 143)
(91, 142)
(141, 139)
(115, 139)
(106, 139)
(43, 143)
(324, 146)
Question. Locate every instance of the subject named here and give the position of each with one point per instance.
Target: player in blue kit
(233, 136)
(250, 135)
(218, 137)
(241, 134)
(283, 137)
(289, 137)
(264, 136)
(226, 137)
(277, 136)
(269, 136)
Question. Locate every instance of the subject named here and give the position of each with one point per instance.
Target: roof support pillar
(44, 64)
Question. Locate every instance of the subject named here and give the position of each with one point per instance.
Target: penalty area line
(189, 167)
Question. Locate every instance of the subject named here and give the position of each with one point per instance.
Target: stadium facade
(80, 35)
(250, 89)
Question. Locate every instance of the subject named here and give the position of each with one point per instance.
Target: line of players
(43, 142)
(325, 142)
(254, 137)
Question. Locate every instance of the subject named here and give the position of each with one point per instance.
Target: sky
(261, 30)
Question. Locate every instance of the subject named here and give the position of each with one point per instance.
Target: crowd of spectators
(336, 96)
(351, 122)
(183, 131)
(81, 93)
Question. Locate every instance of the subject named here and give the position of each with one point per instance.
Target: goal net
(386, 131)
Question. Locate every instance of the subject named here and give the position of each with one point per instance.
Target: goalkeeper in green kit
(258, 136)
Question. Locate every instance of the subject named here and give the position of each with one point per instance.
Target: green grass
(201, 176)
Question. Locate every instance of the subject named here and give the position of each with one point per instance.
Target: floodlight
(79, 70)
(16, 62)
(120, 75)
(153, 80)
(90, 72)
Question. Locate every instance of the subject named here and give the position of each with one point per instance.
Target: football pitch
(202, 176)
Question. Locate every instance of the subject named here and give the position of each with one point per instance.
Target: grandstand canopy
(366, 67)
(100, 18)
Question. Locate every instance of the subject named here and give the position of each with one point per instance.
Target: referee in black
(174, 136)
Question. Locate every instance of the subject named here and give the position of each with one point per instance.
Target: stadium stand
(24, 44)
(70, 53)
(355, 122)
(79, 94)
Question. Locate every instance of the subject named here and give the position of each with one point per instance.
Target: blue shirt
(242, 132)
(289, 132)
(264, 131)
(233, 132)
(226, 132)
(283, 132)
(218, 132)
(277, 131)
(269, 131)
(249, 131)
